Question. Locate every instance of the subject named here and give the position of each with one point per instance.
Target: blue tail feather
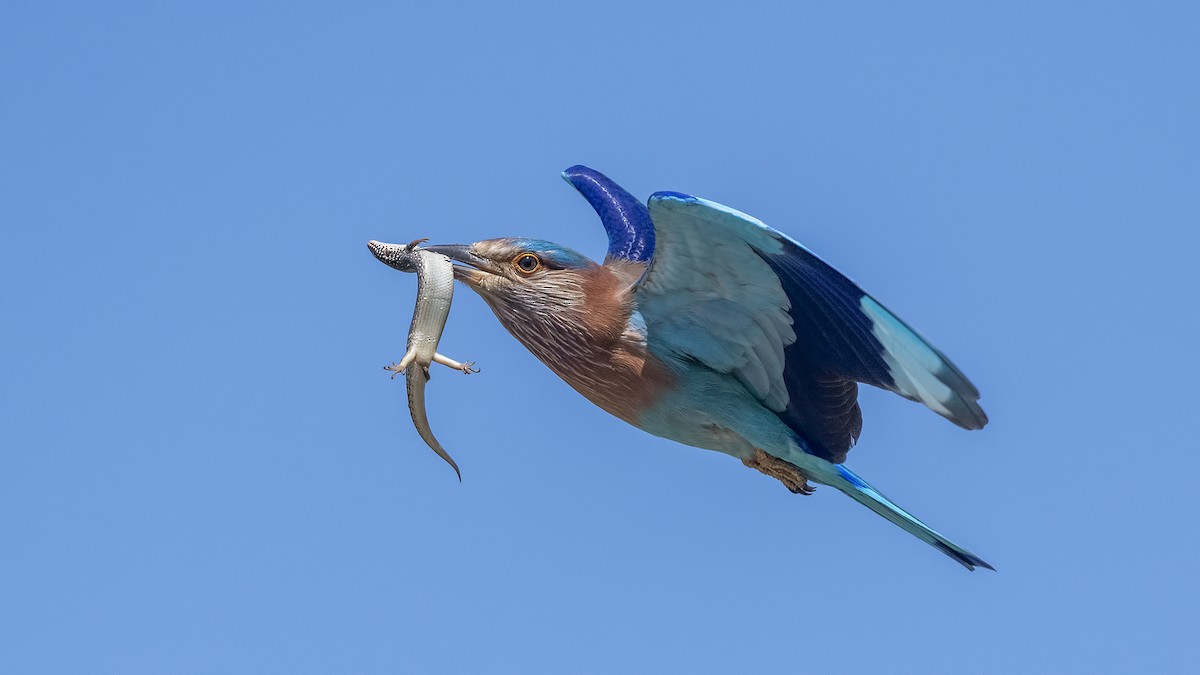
(862, 492)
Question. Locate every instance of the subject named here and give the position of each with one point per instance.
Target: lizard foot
(467, 367)
(396, 369)
(787, 473)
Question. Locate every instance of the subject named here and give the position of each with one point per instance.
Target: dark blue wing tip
(627, 221)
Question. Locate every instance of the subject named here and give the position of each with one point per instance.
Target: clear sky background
(203, 467)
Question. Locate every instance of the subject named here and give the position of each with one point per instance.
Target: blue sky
(203, 467)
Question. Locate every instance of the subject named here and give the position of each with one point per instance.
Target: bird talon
(785, 472)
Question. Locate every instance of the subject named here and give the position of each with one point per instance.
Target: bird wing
(741, 298)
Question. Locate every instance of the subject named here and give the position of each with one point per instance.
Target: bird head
(517, 273)
(554, 300)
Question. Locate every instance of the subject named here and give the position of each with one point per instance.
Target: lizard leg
(398, 368)
(467, 367)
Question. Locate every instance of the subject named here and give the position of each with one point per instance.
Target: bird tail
(860, 491)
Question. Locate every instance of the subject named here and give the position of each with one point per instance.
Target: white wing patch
(919, 372)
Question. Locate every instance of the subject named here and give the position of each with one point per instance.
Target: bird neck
(587, 339)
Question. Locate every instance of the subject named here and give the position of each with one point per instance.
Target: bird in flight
(707, 327)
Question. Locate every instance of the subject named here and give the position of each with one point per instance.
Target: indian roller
(707, 327)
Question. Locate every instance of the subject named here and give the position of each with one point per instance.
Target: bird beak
(470, 268)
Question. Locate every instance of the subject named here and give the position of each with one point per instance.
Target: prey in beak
(468, 267)
(485, 266)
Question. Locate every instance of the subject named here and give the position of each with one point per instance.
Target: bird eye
(527, 263)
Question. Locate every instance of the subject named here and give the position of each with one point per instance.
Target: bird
(705, 326)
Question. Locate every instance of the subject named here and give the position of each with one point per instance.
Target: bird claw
(787, 473)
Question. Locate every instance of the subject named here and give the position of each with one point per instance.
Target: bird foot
(787, 473)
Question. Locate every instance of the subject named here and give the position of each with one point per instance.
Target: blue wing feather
(781, 304)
